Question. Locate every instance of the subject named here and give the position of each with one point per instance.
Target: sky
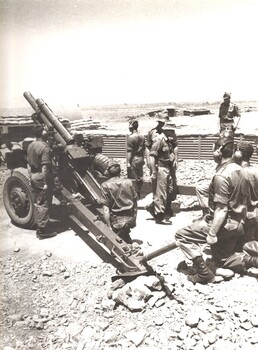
(94, 52)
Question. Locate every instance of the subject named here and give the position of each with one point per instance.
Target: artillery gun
(79, 169)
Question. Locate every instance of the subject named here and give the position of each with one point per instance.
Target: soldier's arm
(130, 147)
(176, 155)
(238, 116)
(47, 173)
(106, 215)
(220, 215)
(129, 158)
(46, 164)
(153, 166)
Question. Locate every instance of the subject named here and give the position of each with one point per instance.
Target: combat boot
(161, 220)
(204, 275)
(41, 233)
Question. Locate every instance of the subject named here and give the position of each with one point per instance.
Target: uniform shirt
(118, 194)
(230, 186)
(227, 112)
(152, 136)
(38, 154)
(252, 176)
(162, 150)
(136, 144)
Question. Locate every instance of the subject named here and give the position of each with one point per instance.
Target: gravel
(51, 303)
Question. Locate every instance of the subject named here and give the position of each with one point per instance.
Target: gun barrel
(40, 118)
(53, 120)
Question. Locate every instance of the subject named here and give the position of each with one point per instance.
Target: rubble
(47, 310)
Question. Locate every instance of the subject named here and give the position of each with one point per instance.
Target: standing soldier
(227, 112)
(153, 135)
(40, 170)
(135, 155)
(163, 163)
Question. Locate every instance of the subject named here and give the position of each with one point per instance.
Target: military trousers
(165, 190)
(136, 172)
(43, 200)
(192, 238)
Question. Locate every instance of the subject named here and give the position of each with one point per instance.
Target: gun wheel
(18, 198)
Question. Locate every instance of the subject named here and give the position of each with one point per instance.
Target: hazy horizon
(180, 104)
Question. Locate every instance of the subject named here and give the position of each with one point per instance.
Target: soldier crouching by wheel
(40, 170)
(119, 201)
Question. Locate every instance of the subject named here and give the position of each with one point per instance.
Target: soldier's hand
(45, 187)
(154, 176)
(211, 239)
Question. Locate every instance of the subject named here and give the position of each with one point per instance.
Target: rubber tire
(21, 177)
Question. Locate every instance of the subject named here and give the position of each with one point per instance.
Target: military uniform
(230, 187)
(163, 151)
(120, 196)
(136, 149)
(39, 154)
(251, 223)
(227, 112)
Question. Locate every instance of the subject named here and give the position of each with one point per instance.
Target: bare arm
(46, 171)
(147, 154)
(129, 158)
(176, 156)
(106, 215)
(220, 215)
(153, 166)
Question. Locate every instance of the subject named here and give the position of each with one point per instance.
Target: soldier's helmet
(133, 124)
(226, 95)
(114, 170)
(162, 118)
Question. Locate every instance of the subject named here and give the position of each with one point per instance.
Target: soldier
(40, 170)
(227, 112)
(251, 224)
(154, 134)
(163, 163)
(202, 190)
(221, 229)
(119, 201)
(135, 155)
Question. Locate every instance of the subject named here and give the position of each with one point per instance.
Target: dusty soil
(54, 292)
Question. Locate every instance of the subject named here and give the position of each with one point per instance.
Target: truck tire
(18, 198)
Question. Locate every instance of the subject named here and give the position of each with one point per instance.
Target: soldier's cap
(246, 148)
(114, 169)
(226, 95)
(38, 130)
(160, 117)
(133, 123)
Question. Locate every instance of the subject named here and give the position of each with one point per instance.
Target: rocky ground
(55, 294)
